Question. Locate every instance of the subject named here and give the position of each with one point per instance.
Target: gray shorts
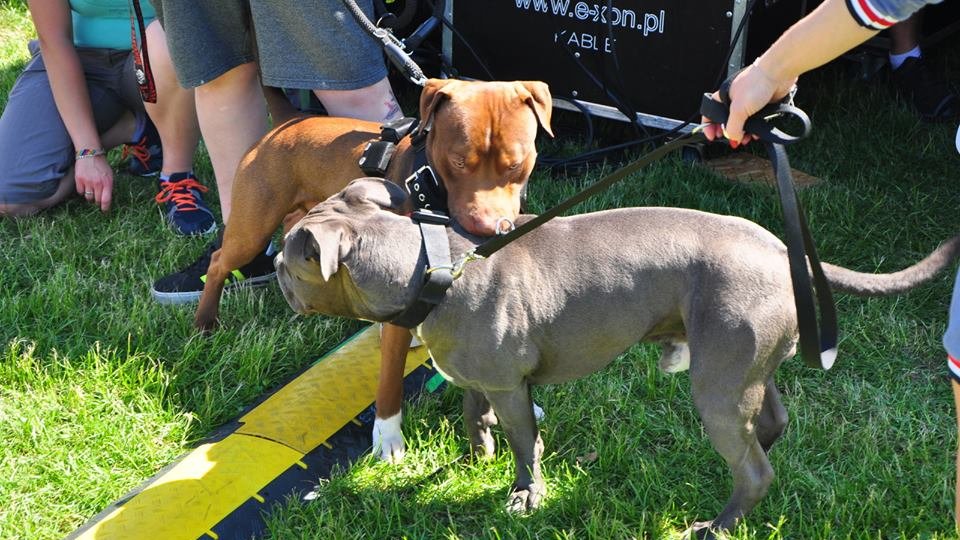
(35, 148)
(308, 44)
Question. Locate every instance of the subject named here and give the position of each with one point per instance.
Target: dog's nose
(479, 226)
(487, 223)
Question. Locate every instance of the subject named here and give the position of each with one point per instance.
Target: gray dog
(566, 299)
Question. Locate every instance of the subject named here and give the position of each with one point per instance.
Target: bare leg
(232, 117)
(956, 401)
(64, 189)
(174, 113)
(121, 132)
(375, 103)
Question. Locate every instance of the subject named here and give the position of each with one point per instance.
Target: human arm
(821, 36)
(67, 81)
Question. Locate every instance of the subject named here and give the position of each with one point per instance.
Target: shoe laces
(180, 193)
(139, 151)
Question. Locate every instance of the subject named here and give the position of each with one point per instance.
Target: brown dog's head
(352, 255)
(482, 144)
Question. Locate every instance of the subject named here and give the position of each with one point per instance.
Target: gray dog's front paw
(701, 530)
(483, 446)
(524, 499)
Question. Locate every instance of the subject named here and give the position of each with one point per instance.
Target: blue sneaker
(186, 211)
(146, 155)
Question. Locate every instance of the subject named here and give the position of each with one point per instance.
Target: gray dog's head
(352, 255)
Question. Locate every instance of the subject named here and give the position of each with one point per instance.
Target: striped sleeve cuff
(954, 367)
(867, 15)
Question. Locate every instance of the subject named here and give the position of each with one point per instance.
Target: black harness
(429, 198)
(424, 186)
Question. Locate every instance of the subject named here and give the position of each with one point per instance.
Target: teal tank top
(105, 24)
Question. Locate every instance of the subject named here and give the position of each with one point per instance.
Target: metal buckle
(417, 189)
(429, 216)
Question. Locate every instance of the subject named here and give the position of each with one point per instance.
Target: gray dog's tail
(863, 284)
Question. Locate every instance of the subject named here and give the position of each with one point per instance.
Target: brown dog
(480, 144)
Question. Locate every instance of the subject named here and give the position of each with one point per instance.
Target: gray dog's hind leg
(478, 416)
(727, 414)
(515, 411)
(773, 417)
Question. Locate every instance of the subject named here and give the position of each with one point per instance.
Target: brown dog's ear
(322, 243)
(430, 99)
(538, 97)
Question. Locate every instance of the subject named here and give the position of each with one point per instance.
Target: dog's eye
(458, 162)
(514, 166)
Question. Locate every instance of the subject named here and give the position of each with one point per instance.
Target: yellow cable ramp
(205, 486)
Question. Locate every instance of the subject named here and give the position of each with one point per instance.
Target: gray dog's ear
(537, 95)
(430, 99)
(380, 192)
(325, 244)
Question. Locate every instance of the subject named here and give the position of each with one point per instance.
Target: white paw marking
(388, 439)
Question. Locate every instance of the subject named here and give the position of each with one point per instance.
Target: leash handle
(760, 123)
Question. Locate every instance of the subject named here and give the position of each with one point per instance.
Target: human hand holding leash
(750, 91)
(819, 37)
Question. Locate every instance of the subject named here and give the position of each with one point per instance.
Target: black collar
(424, 185)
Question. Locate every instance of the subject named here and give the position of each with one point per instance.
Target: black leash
(498, 242)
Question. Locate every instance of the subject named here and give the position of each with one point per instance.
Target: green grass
(100, 387)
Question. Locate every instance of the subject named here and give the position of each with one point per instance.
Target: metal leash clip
(456, 269)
